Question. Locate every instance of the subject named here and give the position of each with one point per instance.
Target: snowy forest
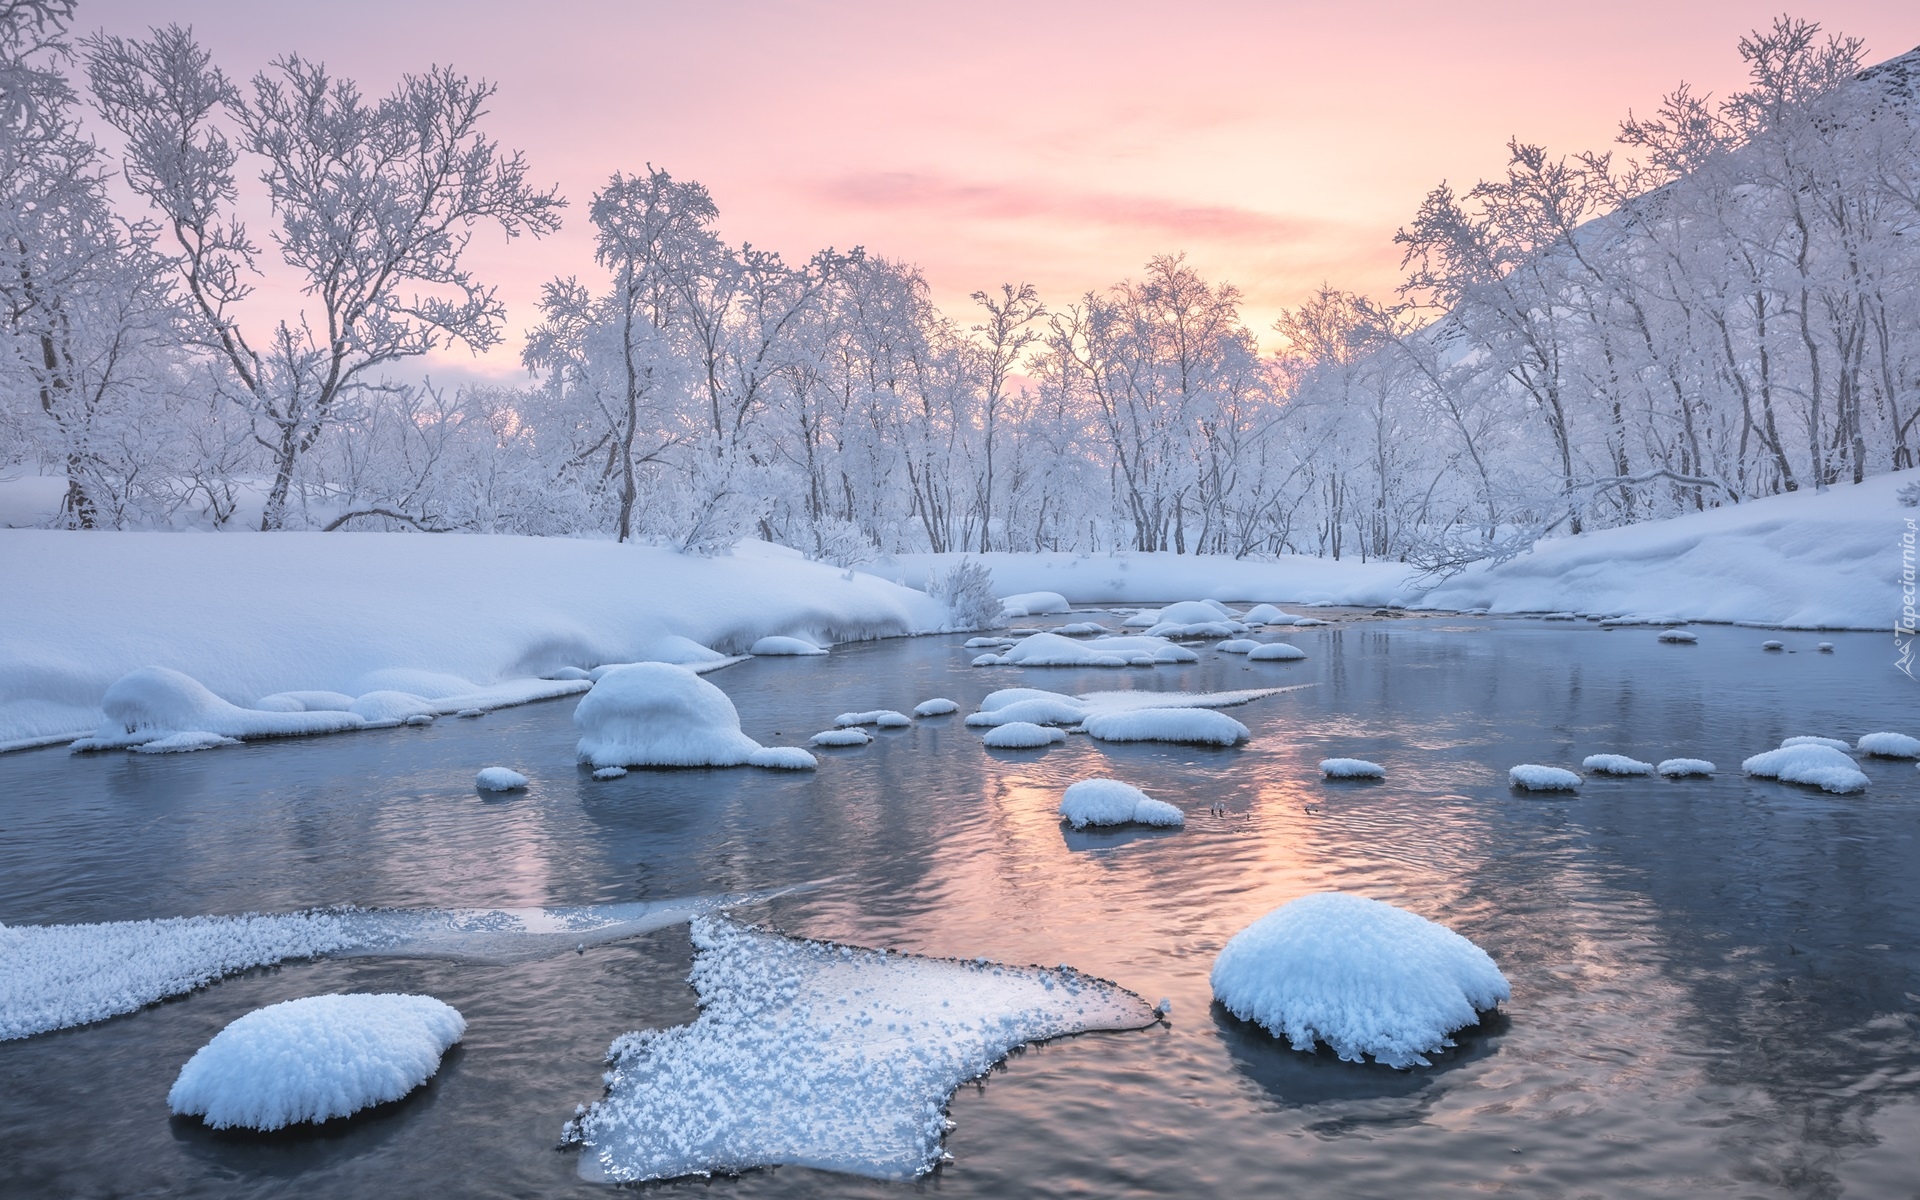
(1723, 306)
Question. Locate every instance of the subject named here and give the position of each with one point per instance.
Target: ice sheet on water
(825, 1056)
(55, 976)
(314, 1059)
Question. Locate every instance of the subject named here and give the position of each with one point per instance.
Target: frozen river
(1716, 982)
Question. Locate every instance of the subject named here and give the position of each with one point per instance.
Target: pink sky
(1275, 144)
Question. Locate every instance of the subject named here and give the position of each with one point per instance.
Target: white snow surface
(1361, 975)
(778, 645)
(1194, 726)
(1351, 768)
(1033, 604)
(1684, 768)
(257, 615)
(1839, 744)
(1535, 778)
(1810, 763)
(885, 718)
(824, 1056)
(659, 715)
(1804, 560)
(1237, 646)
(1112, 802)
(782, 758)
(315, 1058)
(1267, 614)
(181, 743)
(1616, 764)
(1022, 735)
(1889, 745)
(1276, 652)
(1682, 637)
(939, 706)
(1053, 650)
(499, 779)
(852, 736)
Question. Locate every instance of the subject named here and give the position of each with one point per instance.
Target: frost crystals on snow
(822, 1056)
(314, 1059)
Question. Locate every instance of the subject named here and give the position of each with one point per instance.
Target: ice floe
(659, 715)
(885, 718)
(499, 779)
(1889, 745)
(1535, 778)
(1112, 802)
(315, 1058)
(824, 1056)
(1363, 976)
(1351, 768)
(939, 706)
(1812, 763)
(1275, 652)
(1616, 764)
(1022, 735)
(1684, 768)
(1193, 726)
(778, 645)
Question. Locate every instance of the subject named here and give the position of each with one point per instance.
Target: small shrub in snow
(1535, 778)
(499, 779)
(782, 758)
(939, 706)
(1351, 768)
(1810, 763)
(1616, 764)
(784, 646)
(315, 1059)
(1111, 802)
(886, 718)
(840, 737)
(1194, 726)
(1363, 976)
(1276, 652)
(1890, 745)
(1808, 740)
(967, 591)
(1909, 494)
(1022, 735)
(1684, 768)
(1679, 637)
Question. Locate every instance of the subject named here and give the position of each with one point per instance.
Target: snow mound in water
(1022, 735)
(1616, 764)
(1680, 637)
(314, 1059)
(840, 737)
(1195, 726)
(782, 758)
(658, 715)
(823, 1056)
(784, 645)
(1111, 802)
(1082, 629)
(1196, 629)
(1193, 612)
(610, 773)
(939, 706)
(499, 779)
(1684, 768)
(1889, 745)
(1351, 768)
(1267, 614)
(1034, 604)
(1237, 646)
(154, 702)
(1052, 650)
(1363, 976)
(1773, 645)
(1805, 740)
(1535, 778)
(1810, 763)
(886, 718)
(1276, 652)
(1035, 710)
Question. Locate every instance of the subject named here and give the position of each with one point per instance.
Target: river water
(1716, 983)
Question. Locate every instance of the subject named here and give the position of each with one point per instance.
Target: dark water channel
(1716, 982)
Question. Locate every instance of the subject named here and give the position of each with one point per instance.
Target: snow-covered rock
(1022, 735)
(1839, 744)
(939, 706)
(610, 773)
(885, 718)
(1679, 637)
(1081, 629)
(1889, 745)
(499, 779)
(1237, 646)
(780, 645)
(1616, 764)
(1535, 778)
(1195, 726)
(1275, 652)
(1033, 604)
(1111, 802)
(659, 715)
(1047, 709)
(1196, 629)
(1772, 644)
(1194, 612)
(850, 736)
(1810, 763)
(1267, 614)
(314, 1059)
(1361, 975)
(782, 758)
(824, 1056)
(1684, 768)
(1351, 768)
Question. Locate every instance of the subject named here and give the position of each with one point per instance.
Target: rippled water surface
(1715, 981)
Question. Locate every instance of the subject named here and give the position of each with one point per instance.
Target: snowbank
(1363, 976)
(153, 702)
(1616, 764)
(499, 779)
(1111, 802)
(823, 1056)
(314, 1059)
(1532, 777)
(257, 615)
(1810, 763)
(1194, 726)
(1351, 768)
